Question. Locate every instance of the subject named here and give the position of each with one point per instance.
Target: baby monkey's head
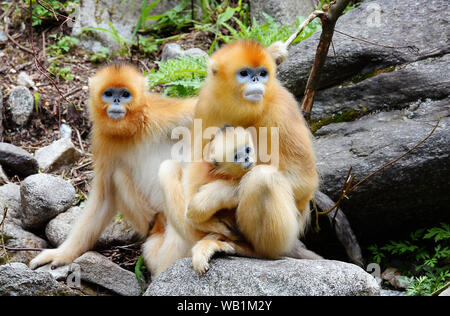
(231, 151)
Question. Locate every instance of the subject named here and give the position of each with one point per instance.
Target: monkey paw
(56, 257)
(200, 263)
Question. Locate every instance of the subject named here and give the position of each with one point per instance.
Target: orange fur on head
(118, 76)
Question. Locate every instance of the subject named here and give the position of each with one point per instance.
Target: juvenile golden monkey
(241, 90)
(228, 156)
(131, 136)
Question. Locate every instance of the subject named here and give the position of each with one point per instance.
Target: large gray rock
(412, 193)
(283, 11)
(391, 90)
(44, 197)
(122, 14)
(16, 237)
(17, 161)
(401, 23)
(10, 199)
(16, 279)
(59, 154)
(117, 233)
(232, 276)
(21, 105)
(97, 269)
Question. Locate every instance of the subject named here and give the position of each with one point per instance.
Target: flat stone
(61, 153)
(231, 276)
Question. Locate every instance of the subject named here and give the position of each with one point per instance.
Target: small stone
(25, 80)
(61, 153)
(16, 279)
(174, 50)
(44, 197)
(446, 292)
(3, 37)
(10, 199)
(389, 274)
(117, 233)
(17, 161)
(400, 282)
(97, 269)
(21, 102)
(65, 131)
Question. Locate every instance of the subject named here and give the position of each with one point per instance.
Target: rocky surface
(21, 104)
(122, 14)
(16, 279)
(117, 233)
(283, 11)
(97, 269)
(17, 237)
(1, 113)
(43, 197)
(243, 276)
(10, 199)
(17, 161)
(420, 24)
(415, 187)
(174, 50)
(3, 177)
(61, 153)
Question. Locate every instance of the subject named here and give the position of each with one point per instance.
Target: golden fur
(270, 197)
(127, 154)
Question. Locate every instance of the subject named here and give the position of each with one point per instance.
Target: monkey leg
(97, 214)
(267, 213)
(162, 249)
(131, 202)
(210, 199)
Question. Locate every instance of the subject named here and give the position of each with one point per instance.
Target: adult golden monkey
(131, 136)
(242, 90)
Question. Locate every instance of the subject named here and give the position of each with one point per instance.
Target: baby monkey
(200, 206)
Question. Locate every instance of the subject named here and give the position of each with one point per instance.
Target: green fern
(181, 77)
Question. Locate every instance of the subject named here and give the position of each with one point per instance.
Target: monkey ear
(278, 51)
(213, 68)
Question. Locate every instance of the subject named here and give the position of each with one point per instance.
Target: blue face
(117, 98)
(254, 79)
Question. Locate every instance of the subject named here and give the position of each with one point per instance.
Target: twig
(413, 48)
(348, 186)
(305, 23)
(441, 289)
(2, 225)
(73, 91)
(14, 41)
(24, 249)
(79, 140)
(328, 19)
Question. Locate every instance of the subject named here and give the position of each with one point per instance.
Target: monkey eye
(263, 73)
(108, 93)
(243, 73)
(126, 94)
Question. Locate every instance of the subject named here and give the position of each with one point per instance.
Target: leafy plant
(138, 272)
(424, 257)
(182, 77)
(100, 56)
(43, 11)
(63, 45)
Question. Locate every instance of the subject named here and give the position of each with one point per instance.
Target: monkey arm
(97, 214)
(211, 198)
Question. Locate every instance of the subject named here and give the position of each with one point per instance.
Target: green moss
(361, 77)
(347, 116)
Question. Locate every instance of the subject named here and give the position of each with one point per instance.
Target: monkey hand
(205, 249)
(57, 257)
